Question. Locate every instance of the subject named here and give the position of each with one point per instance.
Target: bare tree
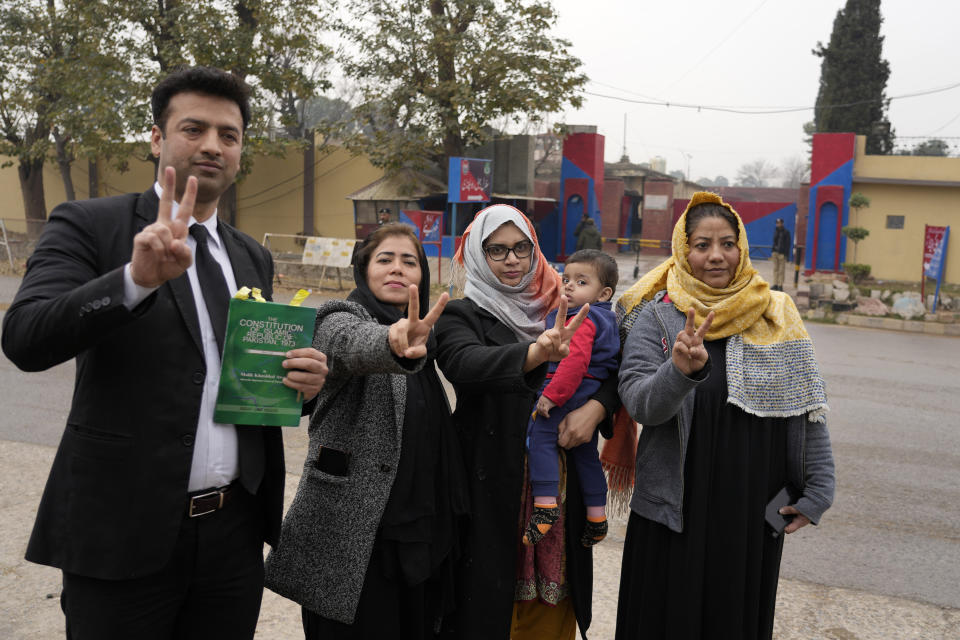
(758, 173)
(794, 171)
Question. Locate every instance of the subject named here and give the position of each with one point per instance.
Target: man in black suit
(155, 513)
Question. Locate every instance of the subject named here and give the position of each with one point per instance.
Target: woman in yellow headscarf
(721, 372)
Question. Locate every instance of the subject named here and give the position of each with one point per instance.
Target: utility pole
(623, 156)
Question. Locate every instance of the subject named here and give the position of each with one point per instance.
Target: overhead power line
(718, 45)
(299, 186)
(765, 110)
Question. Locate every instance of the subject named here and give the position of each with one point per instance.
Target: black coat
(481, 357)
(117, 492)
(781, 241)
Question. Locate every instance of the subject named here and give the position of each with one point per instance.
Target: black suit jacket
(117, 491)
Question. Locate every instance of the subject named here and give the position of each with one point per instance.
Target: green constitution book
(259, 334)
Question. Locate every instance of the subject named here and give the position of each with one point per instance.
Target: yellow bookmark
(299, 297)
(245, 293)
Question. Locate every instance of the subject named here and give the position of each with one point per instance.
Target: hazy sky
(744, 53)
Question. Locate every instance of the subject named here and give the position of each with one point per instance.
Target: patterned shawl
(521, 307)
(771, 366)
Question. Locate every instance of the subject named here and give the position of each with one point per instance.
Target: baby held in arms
(589, 277)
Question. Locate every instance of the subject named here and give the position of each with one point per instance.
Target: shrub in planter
(856, 272)
(855, 234)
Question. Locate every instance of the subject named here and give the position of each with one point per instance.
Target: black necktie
(212, 283)
(217, 299)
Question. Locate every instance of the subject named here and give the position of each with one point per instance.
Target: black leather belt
(209, 501)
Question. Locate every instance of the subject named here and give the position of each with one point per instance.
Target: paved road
(888, 553)
(895, 413)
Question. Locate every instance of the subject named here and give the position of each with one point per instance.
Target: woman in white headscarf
(493, 347)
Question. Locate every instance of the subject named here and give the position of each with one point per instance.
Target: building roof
(910, 182)
(405, 184)
(754, 194)
(629, 169)
(511, 196)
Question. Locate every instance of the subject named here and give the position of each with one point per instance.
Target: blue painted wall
(760, 231)
(827, 238)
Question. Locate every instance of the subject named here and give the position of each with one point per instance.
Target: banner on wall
(470, 180)
(934, 256)
(328, 252)
(428, 225)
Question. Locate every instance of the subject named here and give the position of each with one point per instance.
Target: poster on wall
(934, 256)
(655, 202)
(470, 180)
(426, 224)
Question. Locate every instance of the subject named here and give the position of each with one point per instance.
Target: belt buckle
(196, 514)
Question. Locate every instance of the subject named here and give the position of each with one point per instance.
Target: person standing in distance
(779, 254)
(588, 236)
(155, 513)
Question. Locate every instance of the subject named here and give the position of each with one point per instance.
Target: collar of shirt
(210, 223)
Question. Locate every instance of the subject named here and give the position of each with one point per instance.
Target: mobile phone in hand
(775, 520)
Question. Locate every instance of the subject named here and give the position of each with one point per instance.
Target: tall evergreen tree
(853, 77)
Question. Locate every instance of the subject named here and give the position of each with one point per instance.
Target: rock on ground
(872, 307)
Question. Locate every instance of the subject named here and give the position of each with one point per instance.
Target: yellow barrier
(642, 242)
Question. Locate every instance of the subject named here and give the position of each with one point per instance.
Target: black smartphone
(333, 461)
(776, 521)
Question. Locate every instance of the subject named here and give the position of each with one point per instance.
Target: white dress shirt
(216, 459)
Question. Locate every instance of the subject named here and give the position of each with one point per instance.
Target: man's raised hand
(408, 336)
(160, 252)
(689, 355)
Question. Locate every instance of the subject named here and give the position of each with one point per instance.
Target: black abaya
(718, 577)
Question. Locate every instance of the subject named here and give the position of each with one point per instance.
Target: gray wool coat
(661, 398)
(327, 535)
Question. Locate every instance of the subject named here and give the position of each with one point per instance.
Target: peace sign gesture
(160, 252)
(553, 344)
(408, 336)
(689, 355)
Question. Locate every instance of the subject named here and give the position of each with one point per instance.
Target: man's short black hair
(604, 263)
(206, 80)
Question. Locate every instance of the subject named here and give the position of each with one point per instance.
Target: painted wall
(138, 178)
(612, 213)
(895, 254)
(581, 191)
(657, 214)
(924, 190)
(270, 198)
(831, 173)
(268, 204)
(926, 168)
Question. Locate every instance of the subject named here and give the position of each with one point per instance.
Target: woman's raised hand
(689, 354)
(553, 344)
(408, 336)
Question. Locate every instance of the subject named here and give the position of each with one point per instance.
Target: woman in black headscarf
(368, 544)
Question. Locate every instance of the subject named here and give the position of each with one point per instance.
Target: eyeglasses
(498, 252)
